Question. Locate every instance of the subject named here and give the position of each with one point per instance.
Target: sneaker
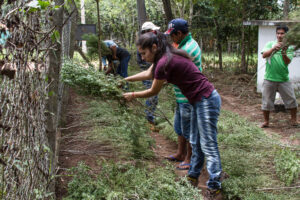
(213, 194)
(193, 181)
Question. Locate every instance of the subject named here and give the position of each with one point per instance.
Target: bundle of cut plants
(91, 82)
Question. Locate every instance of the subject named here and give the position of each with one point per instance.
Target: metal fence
(25, 157)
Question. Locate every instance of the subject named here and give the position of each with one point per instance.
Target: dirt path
(239, 95)
(279, 123)
(165, 147)
(75, 147)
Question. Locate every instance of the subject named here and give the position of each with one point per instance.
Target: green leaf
(55, 36)
(51, 93)
(46, 149)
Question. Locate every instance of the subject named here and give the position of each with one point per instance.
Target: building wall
(266, 34)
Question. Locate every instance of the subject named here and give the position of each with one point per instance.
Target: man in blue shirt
(120, 54)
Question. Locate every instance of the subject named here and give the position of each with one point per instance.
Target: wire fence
(25, 156)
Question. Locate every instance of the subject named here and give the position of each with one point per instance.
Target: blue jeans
(182, 120)
(123, 66)
(203, 139)
(151, 103)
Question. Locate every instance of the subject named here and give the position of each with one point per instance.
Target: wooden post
(84, 48)
(99, 38)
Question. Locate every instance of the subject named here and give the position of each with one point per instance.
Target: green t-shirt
(189, 45)
(276, 69)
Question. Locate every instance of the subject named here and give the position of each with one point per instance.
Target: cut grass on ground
(260, 167)
(254, 161)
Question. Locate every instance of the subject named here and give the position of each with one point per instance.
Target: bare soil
(74, 147)
(239, 95)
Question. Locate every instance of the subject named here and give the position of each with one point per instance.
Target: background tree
(141, 8)
(168, 10)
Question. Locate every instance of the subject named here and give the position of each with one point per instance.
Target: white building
(266, 33)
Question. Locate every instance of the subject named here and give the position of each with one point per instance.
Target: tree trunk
(243, 60)
(219, 45)
(74, 20)
(181, 10)
(168, 10)
(191, 12)
(55, 61)
(286, 9)
(142, 16)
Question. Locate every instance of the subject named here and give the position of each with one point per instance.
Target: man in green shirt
(276, 78)
(180, 35)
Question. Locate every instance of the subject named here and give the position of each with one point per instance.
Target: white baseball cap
(149, 26)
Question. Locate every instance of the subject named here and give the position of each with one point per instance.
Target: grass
(135, 176)
(231, 62)
(123, 128)
(126, 181)
(249, 157)
(295, 136)
(252, 159)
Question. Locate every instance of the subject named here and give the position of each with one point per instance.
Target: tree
(141, 8)
(184, 9)
(168, 10)
(286, 9)
(293, 36)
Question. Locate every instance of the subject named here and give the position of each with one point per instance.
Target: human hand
(121, 83)
(115, 58)
(109, 70)
(284, 48)
(128, 96)
(278, 46)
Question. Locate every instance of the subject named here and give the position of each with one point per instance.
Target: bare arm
(154, 90)
(114, 52)
(144, 75)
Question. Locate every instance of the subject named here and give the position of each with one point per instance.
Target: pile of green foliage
(89, 81)
(121, 123)
(122, 126)
(125, 181)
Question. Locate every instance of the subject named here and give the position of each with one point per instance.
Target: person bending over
(174, 66)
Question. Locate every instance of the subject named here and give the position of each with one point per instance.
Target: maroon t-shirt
(183, 72)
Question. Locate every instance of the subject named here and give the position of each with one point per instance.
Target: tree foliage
(293, 36)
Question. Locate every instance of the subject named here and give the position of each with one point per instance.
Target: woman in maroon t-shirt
(174, 66)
